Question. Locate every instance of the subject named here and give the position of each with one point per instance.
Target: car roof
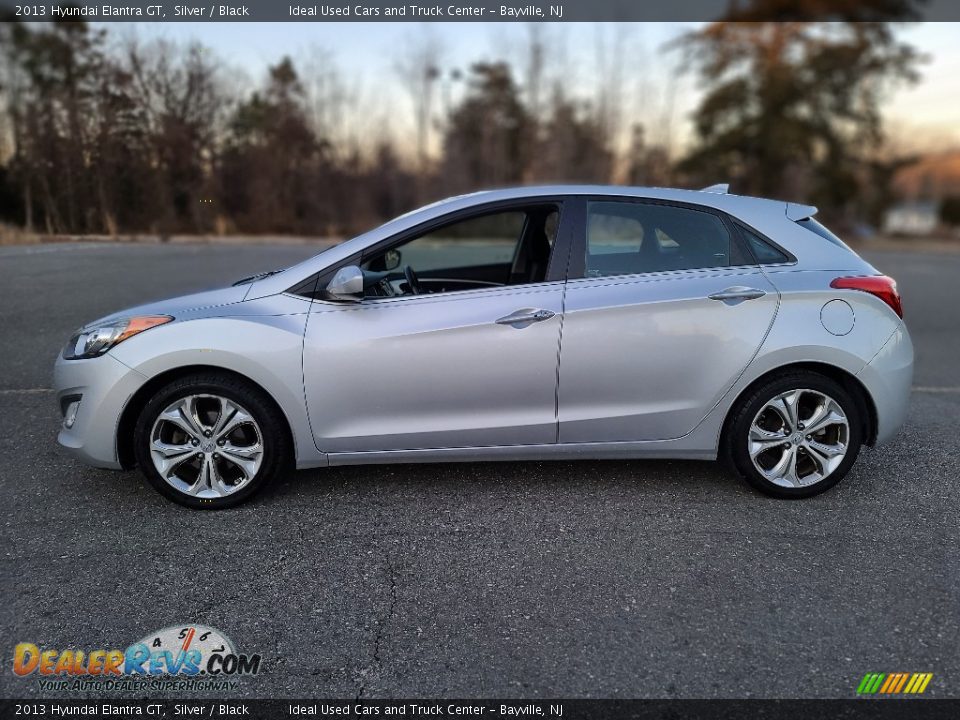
(715, 196)
(706, 196)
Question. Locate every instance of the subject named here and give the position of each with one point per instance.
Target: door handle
(738, 292)
(525, 316)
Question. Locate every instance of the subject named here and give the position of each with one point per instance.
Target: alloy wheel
(206, 446)
(798, 438)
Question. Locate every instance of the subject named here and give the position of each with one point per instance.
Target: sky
(925, 116)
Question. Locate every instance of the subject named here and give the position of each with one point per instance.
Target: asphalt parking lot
(568, 579)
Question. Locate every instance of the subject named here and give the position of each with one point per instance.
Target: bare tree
(184, 110)
(419, 68)
(610, 50)
(332, 104)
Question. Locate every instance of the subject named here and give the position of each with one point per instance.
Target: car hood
(202, 304)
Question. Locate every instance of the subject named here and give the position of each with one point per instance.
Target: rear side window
(626, 238)
(815, 227)
(764, 252)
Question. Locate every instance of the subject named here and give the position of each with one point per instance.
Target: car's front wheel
(795, 435)
(210, 441)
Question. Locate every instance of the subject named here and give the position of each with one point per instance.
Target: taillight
(881, 286)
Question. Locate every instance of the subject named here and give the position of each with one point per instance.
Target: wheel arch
(845, 379)
(139, 400)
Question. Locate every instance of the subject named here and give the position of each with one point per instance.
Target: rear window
(815, 227)
(627, 238)
(764, 252)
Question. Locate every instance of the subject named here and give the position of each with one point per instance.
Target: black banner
(463, 10)
(878, 709)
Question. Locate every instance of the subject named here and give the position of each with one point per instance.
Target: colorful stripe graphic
(894, 683)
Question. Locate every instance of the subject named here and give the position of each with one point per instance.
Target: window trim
(578, 255)
(311, 288)
(474, 292)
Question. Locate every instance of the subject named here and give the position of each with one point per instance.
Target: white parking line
(26, 391)
(15, 250)
(926, 389)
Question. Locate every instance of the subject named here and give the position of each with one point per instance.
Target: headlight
(95, 340)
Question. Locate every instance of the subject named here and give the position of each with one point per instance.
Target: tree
(792, 108)
(53, 82)
(419, 70)
(486, 136)
(574, 144)
(182, 105)
(273, 165)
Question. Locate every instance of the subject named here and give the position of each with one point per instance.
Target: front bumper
(104, 385)
(888, 378)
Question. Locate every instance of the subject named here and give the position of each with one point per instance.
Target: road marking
(26, 391)
(928, 389)
(15, 250)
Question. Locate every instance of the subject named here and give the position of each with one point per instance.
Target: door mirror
(391, 259)
(347, 284)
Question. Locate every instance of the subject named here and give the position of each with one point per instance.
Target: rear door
(665, 308)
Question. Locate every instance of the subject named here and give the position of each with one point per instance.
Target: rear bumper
(888, 378)
(104, 385)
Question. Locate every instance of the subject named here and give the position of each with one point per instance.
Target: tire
(755, 428)
(211, 441)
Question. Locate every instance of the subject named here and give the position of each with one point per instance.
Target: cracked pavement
(566, 579)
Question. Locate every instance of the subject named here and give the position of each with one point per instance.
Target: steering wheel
(413, 282)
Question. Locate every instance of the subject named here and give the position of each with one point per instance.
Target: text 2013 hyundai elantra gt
(533, 323)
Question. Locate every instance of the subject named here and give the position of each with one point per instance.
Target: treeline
(111, 137)
(152, 138)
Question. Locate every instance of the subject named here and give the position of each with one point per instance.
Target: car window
(610, 233)
(628, 238)
(764, 252)
(487, 240)
(509, 247)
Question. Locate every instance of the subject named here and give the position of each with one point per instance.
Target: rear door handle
(525, 316)
(738, 292)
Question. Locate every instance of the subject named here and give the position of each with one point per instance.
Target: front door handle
(525, 316)
(738, 292)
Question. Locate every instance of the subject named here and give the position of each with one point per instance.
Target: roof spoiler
(797, 212)
(720, 189)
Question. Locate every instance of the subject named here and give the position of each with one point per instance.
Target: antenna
(720, 189)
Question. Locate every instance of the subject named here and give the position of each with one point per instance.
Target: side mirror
(347, 284)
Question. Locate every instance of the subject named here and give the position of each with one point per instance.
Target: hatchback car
(532, 323)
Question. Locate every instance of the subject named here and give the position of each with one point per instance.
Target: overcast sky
(366, 55)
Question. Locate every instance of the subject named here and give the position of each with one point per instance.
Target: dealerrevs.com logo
(177, 657)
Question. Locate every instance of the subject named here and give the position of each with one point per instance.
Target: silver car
(532, 323)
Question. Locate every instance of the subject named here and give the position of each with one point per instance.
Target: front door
(469, 361)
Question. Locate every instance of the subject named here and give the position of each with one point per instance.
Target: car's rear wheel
(795, 435)
(210, 441)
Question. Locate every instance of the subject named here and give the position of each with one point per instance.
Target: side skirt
(566, 451)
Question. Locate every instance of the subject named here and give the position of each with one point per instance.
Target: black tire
(734, 445)
(277, 450)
